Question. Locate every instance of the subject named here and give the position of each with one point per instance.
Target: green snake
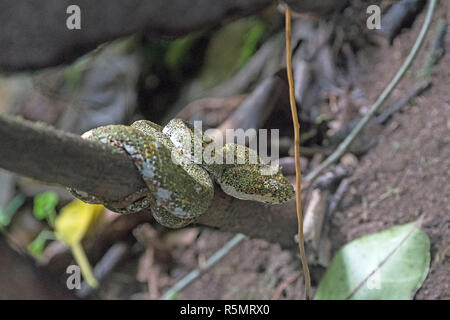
(180, 185)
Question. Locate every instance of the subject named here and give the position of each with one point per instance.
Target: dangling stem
(81, 259)
(298, 174)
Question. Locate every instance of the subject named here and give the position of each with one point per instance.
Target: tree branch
(52, 156)
(49, 155)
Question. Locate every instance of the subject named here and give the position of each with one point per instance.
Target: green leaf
(178, 49)
(391, 264)
(225, 48)
(320, 118)
(44, 204)
(12, 207)
(36, 247)
(249, 47)
(4, 221)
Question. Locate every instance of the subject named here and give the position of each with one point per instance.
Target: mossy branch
(52, 156)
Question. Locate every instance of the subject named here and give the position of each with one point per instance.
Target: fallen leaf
(391, 264)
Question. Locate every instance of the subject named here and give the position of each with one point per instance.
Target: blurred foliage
(44, 205)
(74, 221)
(6, 214)
(178, 49)
(229, 49)
(37, 246)
(73, 75)
(251, 43)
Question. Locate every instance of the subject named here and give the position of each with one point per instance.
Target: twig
(104, 267)
(255, 109)
(337, 197)
(298, 175)
(400, 15)
(335, 156)
(331, 178)
(315, 216)
(417, 89)
(215, 258)
(284, 285)
(437, 48)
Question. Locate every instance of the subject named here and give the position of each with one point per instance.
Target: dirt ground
(412, 158)
(405, 176)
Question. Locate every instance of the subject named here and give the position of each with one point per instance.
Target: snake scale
(180, 185)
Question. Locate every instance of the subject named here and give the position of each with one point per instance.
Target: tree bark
(52, 156)
(36, 36)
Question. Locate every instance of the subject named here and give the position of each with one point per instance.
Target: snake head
(247, 182)
(236, 168)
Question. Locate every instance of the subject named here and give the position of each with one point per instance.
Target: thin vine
(298, 174)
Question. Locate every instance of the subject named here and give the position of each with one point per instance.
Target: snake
(180, 184)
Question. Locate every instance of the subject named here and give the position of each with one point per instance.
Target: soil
(412, 158)
(404, 176)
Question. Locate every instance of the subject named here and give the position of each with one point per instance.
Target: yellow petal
(75, 219)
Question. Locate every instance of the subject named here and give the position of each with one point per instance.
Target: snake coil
(180, 187)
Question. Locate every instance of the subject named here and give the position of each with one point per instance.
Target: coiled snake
(180, 184)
